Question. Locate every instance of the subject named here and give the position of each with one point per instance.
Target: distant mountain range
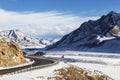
(99, 35)
(48, 42)
(23, 40)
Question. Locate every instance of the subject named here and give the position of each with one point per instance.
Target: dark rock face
(86, 36)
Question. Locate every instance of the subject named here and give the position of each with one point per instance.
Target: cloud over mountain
(51, 23)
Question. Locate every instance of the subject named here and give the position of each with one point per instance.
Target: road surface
(38, 61)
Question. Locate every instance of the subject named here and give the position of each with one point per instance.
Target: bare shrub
(76, 73)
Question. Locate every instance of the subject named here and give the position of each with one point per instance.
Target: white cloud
(41, 23)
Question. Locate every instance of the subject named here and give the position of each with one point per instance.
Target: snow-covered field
(105, 62)
(108, 63)
(87, 57)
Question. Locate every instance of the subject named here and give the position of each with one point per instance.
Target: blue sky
(51, 18)
(77, 7)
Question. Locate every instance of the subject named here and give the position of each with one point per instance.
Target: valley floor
(109, 64)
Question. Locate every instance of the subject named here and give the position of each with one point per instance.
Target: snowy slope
(98, 35)
(20, 38)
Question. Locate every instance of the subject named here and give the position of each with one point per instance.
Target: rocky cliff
(10, 54)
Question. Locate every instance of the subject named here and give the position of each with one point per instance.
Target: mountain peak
(112, 12)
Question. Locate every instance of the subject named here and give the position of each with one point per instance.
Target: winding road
(38, 62)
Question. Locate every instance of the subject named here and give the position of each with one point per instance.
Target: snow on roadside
(25, 64)
(43, 74)
(35, 74)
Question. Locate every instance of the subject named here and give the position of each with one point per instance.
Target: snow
(112, 71)
(25, 64)
(101, 39)
(20, 38)
(48, 42)
(111, 68)
(46, 72)
(45, 42)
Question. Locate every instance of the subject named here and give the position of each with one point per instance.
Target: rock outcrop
(10, 54)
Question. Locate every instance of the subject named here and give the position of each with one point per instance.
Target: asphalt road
(38, 61)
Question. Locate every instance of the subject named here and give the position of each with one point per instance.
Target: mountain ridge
(24, 40)
(18, 37)
(92, 35)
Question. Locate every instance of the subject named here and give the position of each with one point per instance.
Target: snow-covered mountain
(99, 35)
(20, 38)
(48, 42)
